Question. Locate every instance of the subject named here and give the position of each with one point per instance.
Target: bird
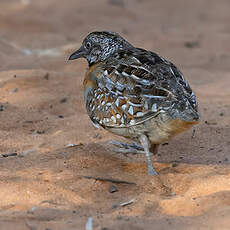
(135, 93)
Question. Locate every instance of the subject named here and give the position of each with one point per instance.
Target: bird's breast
(91, 76)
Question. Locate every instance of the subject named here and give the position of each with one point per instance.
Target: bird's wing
(133, 88)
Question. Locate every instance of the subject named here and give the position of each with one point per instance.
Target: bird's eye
(87, 45)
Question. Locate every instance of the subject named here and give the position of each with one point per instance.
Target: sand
(42, 178)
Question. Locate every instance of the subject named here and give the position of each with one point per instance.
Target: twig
(210, 123)
(109, 180)
(127, 203)
(193, 133)
(89, 224)
(9, 155)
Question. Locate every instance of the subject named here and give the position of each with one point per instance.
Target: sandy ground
(42, 181)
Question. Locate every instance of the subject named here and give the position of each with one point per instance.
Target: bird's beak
(77, 54)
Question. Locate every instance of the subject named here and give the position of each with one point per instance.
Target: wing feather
(133, 88)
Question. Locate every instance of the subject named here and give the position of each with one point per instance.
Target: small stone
(192, 44)
(63, 100)
(46, 76)
(174, 164)
(34, 208)
(113, 189)
(40, 131)
(211, 149)
(14, 90)
(2, 108)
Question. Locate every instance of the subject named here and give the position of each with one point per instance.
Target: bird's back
(128, 89)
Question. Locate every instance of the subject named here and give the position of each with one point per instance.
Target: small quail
(135, 93)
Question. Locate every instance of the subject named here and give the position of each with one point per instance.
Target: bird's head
(98, 46)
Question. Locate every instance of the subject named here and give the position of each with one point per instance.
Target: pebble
(63, 100)
(115, 206)
(40, 131)
(174, 165)
(14, 90)
(192, 44)
(34, 208)
(2, 107)
(112, 188)
(46, 76)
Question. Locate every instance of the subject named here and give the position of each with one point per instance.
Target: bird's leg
(145, 143)
(128, 148)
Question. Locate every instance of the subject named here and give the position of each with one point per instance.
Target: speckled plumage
(133, 92)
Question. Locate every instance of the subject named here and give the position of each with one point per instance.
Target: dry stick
(127, 203)
(193, 133)
(109, 180)
(9, 155)
(89, 224)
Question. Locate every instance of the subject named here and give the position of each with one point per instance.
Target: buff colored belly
(158, 130)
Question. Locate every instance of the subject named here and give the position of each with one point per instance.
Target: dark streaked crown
(98, 46)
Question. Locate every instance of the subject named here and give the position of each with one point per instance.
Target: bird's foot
(134, 148)
(126, 148)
